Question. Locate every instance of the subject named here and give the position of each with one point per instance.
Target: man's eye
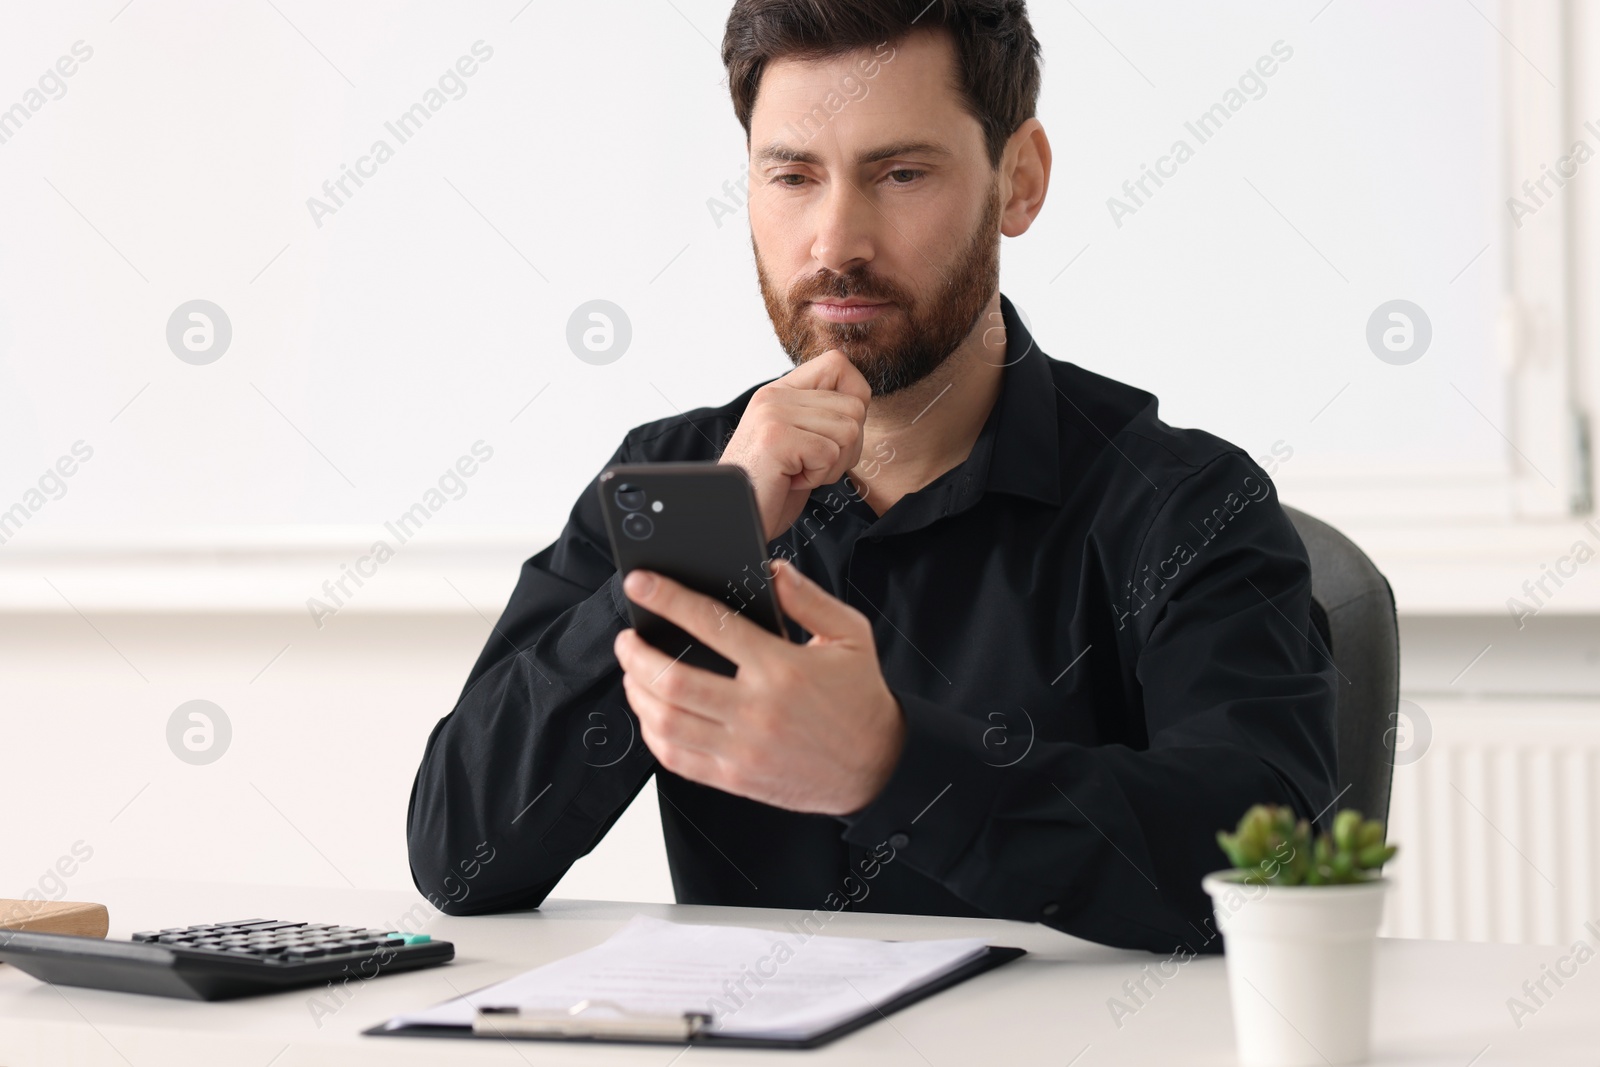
(903, 176)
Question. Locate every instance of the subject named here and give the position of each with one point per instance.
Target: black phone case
(706, 535)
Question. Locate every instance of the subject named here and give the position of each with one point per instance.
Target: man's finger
(835, 419)
(664, 722)
(814, 608)
(719, 627)
(801, 452)
(683, 761)
(833, 371)
(694, 689)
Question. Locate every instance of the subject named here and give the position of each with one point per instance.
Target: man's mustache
(843, 286)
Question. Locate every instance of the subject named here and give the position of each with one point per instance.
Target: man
(1045, 644)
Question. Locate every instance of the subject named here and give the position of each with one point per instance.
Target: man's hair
(997, 55)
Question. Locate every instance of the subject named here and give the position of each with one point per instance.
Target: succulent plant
(1273, 848)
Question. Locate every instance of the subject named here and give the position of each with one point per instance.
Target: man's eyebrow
(779, 153)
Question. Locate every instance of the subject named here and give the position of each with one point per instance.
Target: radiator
(1498, 822)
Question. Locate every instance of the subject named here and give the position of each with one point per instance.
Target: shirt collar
(1017, 450)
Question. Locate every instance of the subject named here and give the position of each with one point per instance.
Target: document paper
(783, 985)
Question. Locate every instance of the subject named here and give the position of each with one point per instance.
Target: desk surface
(1437, 1002)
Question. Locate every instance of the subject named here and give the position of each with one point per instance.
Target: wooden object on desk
(54, 917)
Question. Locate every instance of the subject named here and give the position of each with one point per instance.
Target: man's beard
(892, 351)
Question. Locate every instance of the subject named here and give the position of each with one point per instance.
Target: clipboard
(593, 1021)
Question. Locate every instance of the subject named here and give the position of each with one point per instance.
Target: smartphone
(698, 524)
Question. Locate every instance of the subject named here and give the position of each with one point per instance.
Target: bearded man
(1042, 645)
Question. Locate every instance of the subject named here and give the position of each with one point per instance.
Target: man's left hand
(808, 727)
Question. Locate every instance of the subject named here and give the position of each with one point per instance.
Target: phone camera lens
(638, 525)
(630, 497)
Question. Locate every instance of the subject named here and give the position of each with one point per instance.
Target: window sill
(1459, 568)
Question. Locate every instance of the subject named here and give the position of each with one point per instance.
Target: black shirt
(1098, 627)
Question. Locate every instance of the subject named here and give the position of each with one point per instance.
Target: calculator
(221, 961)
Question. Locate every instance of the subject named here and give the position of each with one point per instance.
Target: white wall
(373, 346)
(312, 788)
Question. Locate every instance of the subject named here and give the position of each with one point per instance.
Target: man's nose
(844, 225)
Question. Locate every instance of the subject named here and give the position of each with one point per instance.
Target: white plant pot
(1299, 962)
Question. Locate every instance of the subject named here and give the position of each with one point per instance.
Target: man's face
(874, 211)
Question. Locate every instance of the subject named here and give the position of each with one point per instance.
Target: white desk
(1438, 1002)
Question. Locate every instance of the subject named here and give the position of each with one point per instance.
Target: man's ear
(1024, 177)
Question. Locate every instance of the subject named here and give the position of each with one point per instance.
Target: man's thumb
(808, 604)
(832, 371)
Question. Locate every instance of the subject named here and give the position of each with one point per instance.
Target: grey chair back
(1364, 636)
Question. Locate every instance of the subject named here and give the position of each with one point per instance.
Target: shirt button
(899, 841)
(1050, 908)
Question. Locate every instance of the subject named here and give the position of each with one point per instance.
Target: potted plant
(1299, 918)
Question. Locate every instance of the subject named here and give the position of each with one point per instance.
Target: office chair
(1353, 609)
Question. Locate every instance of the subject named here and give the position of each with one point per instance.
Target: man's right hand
(800, 432)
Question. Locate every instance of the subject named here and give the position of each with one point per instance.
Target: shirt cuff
(939, 795)
(619, 599)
